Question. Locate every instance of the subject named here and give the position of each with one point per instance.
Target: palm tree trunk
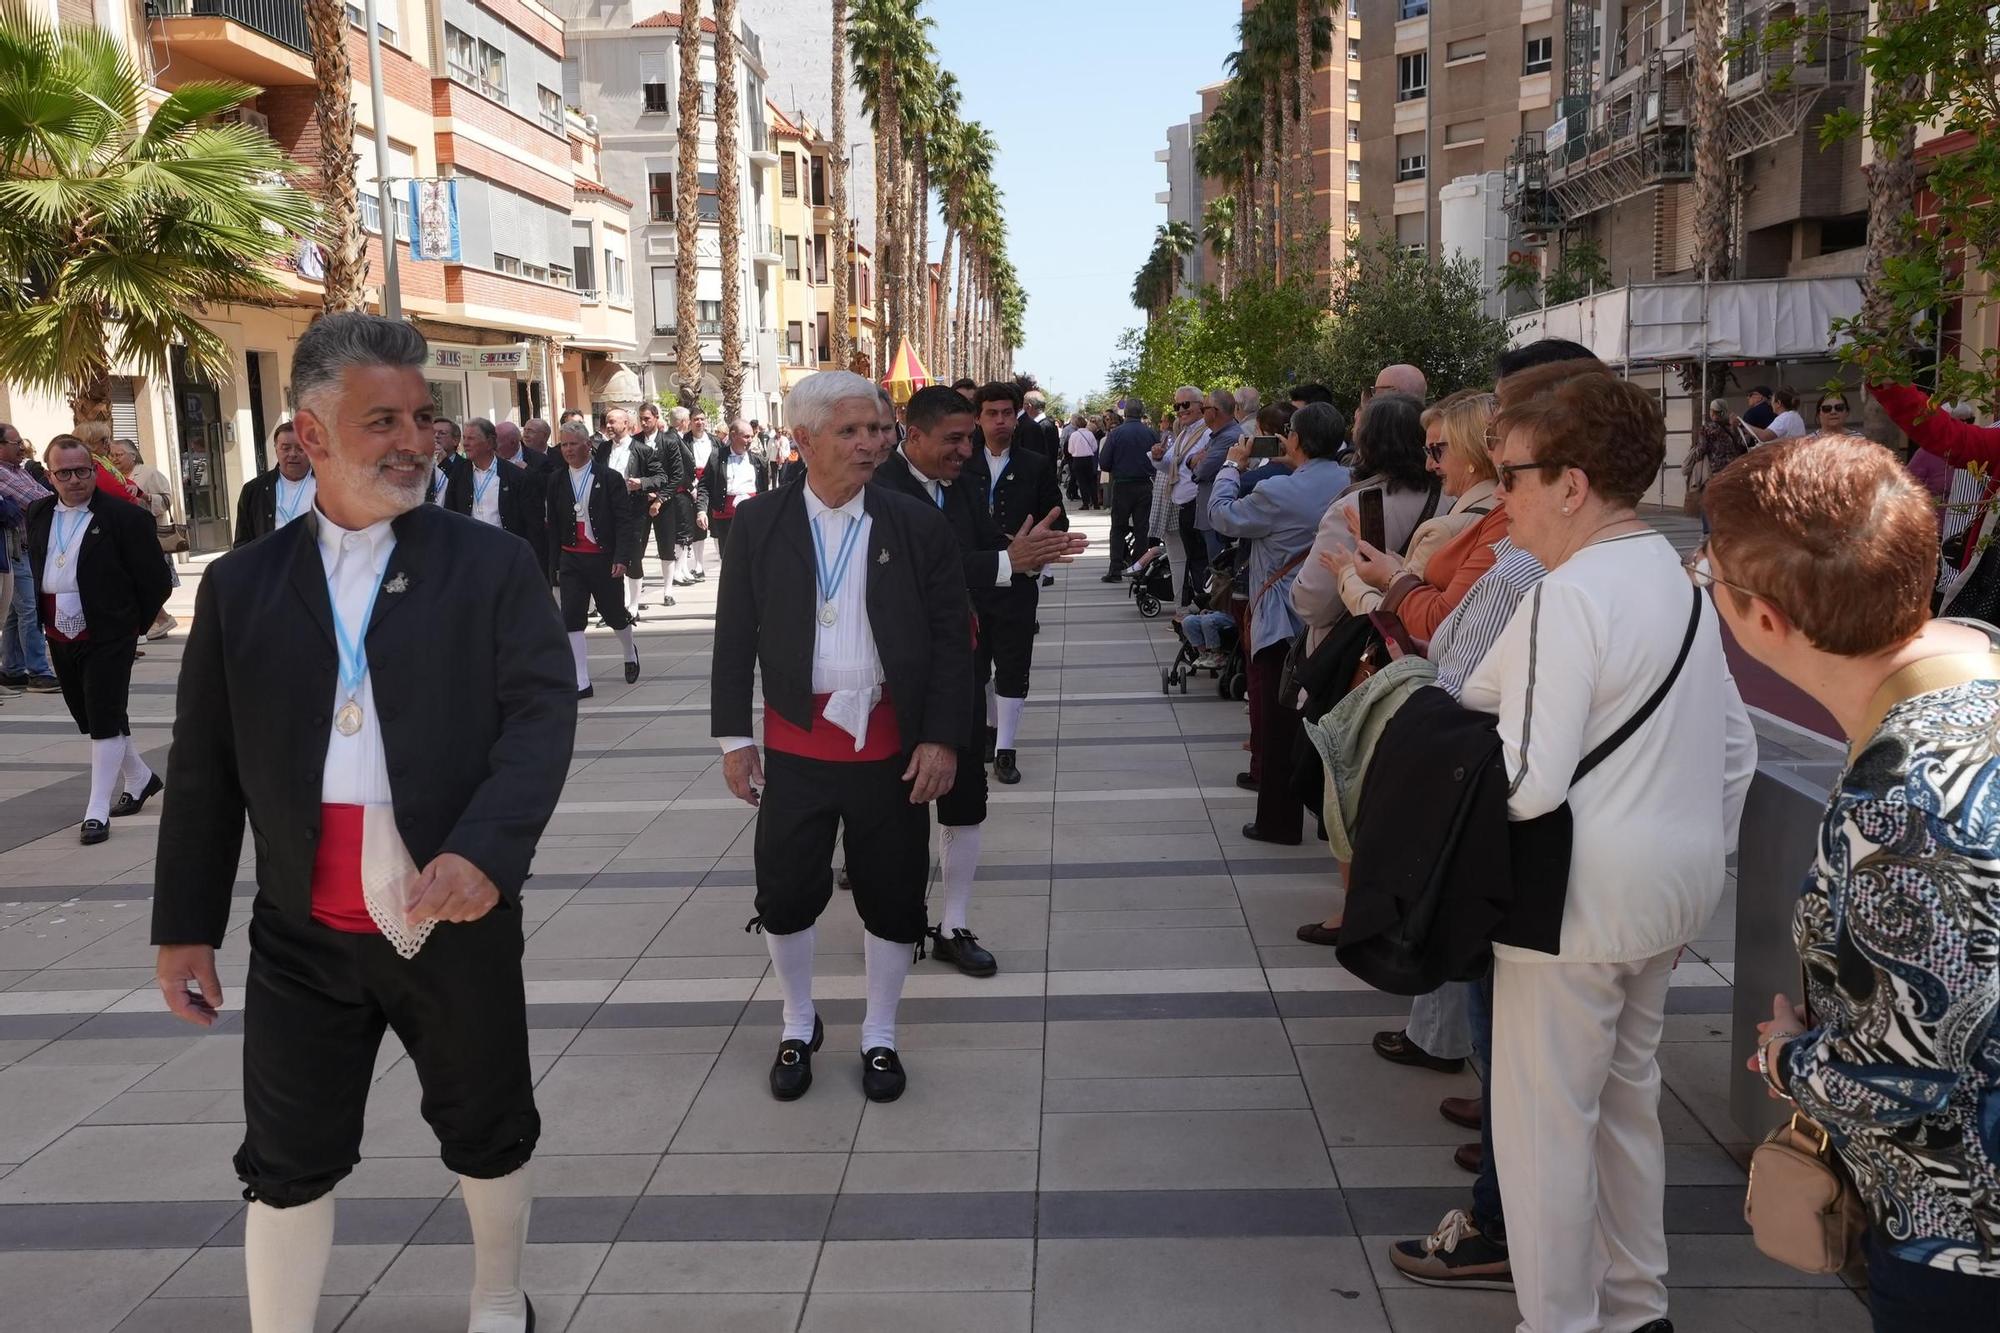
(333, 108)
(1272, 168)
(843, 275)
(1302, 154)
(1711, 157)
(687, 337)
(923, 249)
(1243, 223)
(943, 364)
(1892, 188)
(888, 234)
(727, 187)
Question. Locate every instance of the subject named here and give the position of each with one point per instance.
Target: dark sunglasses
(73, 473)
(1186, 407)
(1507, 471)
(1435, 452)
(1833, 407)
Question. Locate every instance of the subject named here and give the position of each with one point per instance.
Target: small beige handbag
(1802, 1206)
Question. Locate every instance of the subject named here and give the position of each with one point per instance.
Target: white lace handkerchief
(389, 881)
(850, 709)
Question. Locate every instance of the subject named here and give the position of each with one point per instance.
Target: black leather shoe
(961, 949)
(94, 831)
(882, 1075)
(792, 1071)
(1246, 782)
(992, 740)
(128, 804)
(631, 673)
(1004, 768)
(1048, 580)
(1317, 932)
(1657, 1326)
(587, 692)
(1112, 578)
(666, 599)
(1398, 1049)
(1255, 834)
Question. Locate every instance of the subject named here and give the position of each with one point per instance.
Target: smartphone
(1390, 627)
(1266, 446)
(1374, 530)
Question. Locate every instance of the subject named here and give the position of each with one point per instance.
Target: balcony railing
(279, 20)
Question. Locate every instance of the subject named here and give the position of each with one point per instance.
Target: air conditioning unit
(244, 115)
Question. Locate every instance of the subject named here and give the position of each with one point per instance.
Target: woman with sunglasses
(1821, 562)
(1831, 416)
(1575, 1079)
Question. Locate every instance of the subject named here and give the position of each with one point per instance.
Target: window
(1410, 233)
(385, 19)
(660, 189)
(1465, 132)
(819, 182)
(552, 109)
(1413, 76)
(1540, 55)
(788, 175)
(1353, 213)
(1354, 131)
(581, 251)
(480, 66)
(824, 327)
(707, 98)
(653, 80)
(861, 276)
(656, 97)
(1410, 168)
(1412, 9)
(819, 258)
(708, 319)
(1354, 9)
(506, 264)
(1354, 48)
(1471, 48)
(708, 203)
(1353, 90)
(614, 269)
(795, 343)
(663, 300)
(792, 258)
(1353, 171)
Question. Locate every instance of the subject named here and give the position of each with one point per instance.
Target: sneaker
(16, 680)
(1455, 1255)
(44, 685)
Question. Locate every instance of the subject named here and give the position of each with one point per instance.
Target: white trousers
(1575, 1101)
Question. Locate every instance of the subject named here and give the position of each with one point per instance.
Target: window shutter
(124, 407)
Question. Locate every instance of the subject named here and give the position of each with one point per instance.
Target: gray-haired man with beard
(398, 785)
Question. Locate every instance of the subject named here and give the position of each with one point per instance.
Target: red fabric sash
(584, 545)
(49, 630)
(829, 742)
(336, 882)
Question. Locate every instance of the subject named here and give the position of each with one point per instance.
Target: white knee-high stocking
(581, 653)
(499, 1212)
(133, 771)
(888, 966)
(792, 960)
(1010, 721)
(958, 862)
(633, 587)
(285, 1252)
(625, 642)
(106, 758)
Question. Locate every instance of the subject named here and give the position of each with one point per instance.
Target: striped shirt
(19, 487)
(1474, 625)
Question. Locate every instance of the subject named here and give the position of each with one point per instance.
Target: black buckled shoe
(128, 804)
(93, 832)
(587, 692)
(1005, 770)
(792, 1071)
(1657, 1326)
(962, 950)
(882, 1076)
(631, 673)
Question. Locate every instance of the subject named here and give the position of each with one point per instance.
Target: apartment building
(623, 68)
(805, 222)
(1579, 114)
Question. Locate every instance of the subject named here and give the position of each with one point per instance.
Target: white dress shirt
(996, 468)
(1004, 572)
(439, 480)
(357, 767)
(845, 664)
(576, 478)
(620, 458)
(486, 492)
(59, 568)
(1082, 444)
(295, 498)
(741, 481)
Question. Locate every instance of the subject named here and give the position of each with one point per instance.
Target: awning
(1779, 319)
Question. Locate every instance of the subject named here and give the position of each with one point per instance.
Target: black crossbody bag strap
(1638, 719)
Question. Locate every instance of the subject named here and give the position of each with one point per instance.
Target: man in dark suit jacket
(1020, 487)
(849, 598)
(592, 529)
(102, 581)
(446, 437)
(1038, 432)
(396, 788)
(500, 493)
(931, 466)
(715, 498)
(272, 499)
(511, 443)
(644, 477)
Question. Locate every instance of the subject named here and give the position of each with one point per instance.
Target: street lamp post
(392, 292)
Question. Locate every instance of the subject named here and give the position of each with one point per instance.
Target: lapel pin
(883, 558)
(401, 583)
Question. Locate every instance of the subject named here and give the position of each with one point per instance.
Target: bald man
(1401, 378)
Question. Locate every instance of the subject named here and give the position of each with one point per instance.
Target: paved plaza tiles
(1162, 1114)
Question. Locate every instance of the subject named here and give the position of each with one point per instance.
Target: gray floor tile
(446, 1270)
(111, 1226)
(1240, 1093)
(960, 1311)
(617, 1103)
(965, 1101)
(925, 1265)
(218, 1271)
(707, 1266)
(1184, 1150)
(1198, 1286)
(382, 1313)
(168, 1163)
(1169, 1048)
(1192, 1004)
(729, 1217)
(218, 1314)
(961, 1215)
(1362, 1101)
(735, 1111)
(1192, 1213)
(42, 1103)
(749, 1173)
(562, 1219)
(1420, 1310)
(710, 1314)
(79, 1291)
(941, 1172)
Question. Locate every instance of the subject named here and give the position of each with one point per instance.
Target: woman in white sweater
(1576, 1083)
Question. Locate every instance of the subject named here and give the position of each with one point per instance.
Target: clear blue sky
(1078, 122)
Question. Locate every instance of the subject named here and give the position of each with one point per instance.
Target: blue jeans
(1205, 629)
(1907, 1297)
(23, 650)
(1487, 1213)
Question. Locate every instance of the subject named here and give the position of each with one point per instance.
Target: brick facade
(456, 103)
(533, 300)
(470, 155)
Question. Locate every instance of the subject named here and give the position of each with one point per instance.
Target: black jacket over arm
(257, 508)
(765, 616)
(611, 515)
(523, 510)
(121, 577)
(979, 541)
(474, 689)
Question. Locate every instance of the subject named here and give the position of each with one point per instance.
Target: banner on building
(434, 231)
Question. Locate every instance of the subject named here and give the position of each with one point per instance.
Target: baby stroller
(1153, 586)
(1188, 665)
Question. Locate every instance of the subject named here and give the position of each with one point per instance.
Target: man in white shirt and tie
(851, 600)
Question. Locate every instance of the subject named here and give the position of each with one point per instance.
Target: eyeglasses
(1186, 407)
(1507, 471)
(1696, 564)
(73, 473)
(1435, 452)
(1833, 407)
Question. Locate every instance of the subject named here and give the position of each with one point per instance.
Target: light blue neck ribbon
(353, 649)
(830, 580)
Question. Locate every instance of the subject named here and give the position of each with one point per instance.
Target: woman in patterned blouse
(1823, 555)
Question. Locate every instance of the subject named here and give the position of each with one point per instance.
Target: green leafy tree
(119, 227)
(1390, 305)
(1261, 335)
(1581, 271)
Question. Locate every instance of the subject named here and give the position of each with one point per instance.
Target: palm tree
(120, 227)
(1218, 228)
(1230, 140)
(728, 187)
(964, 155)
(843, 231)
(1312, 31)
(887, 39)
(1711, 152)
(1892, 184)
(340, 235)
(687, 217)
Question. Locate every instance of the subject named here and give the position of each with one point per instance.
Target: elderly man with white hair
(851, 598)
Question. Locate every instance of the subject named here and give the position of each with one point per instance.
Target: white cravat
(67, 528)
(486, 493)
(296, 502)
(1004, 571)
(620, 458)
(577, 475)
(742, 479)
(357, 767)
(846, 665)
